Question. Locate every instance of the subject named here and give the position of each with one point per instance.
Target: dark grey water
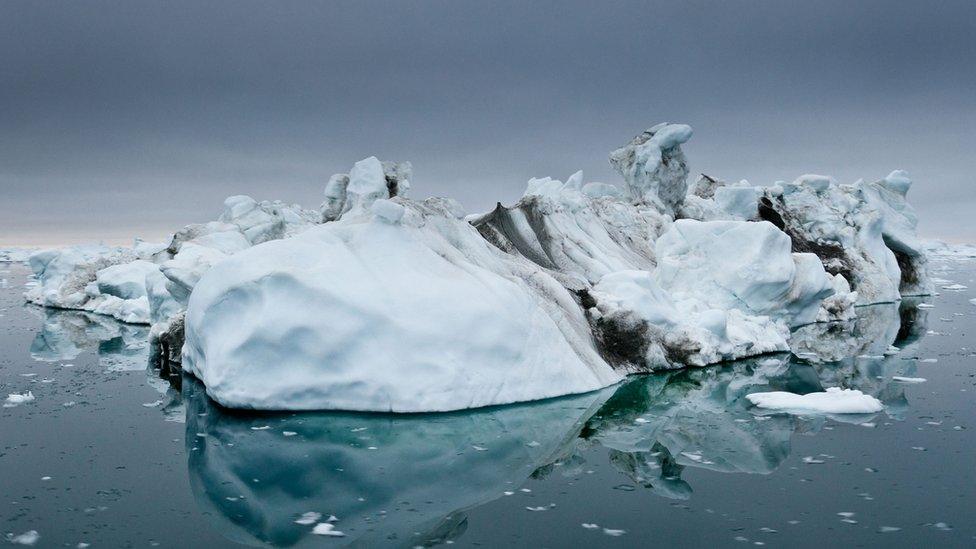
(112, 455)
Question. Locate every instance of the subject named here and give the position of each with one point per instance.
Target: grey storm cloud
(136, 118)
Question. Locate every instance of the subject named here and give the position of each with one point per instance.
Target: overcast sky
(134, 118)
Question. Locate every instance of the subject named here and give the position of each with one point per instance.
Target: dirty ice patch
(832, 401)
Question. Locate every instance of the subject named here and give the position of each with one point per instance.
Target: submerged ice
(378, 302)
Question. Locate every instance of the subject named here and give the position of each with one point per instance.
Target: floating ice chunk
(16, 399)
(327, 529)
(903, 379)
(833, 401)
(308, 518)
(29, 537)
(954, 287)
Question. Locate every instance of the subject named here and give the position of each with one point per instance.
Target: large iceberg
(378, 302)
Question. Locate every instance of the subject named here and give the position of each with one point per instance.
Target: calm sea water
(111, 454)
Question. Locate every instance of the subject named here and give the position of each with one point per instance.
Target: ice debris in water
(832, 401)
(327, 529)
(310, 517)
(16, 399)
(903, 379)
(29, 537)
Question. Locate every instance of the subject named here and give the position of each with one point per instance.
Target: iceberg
(377, 302)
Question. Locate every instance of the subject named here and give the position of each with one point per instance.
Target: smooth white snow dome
(370, 314)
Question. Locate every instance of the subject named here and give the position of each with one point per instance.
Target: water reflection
(408, 480)
(64, 335)
(389, 479)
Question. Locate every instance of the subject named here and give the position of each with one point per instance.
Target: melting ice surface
(111, 453)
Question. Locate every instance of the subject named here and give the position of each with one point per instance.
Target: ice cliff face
(580, 236)
(379, 302)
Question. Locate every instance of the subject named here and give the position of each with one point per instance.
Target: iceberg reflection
(391, 479)
(65, 334)
(408, 479)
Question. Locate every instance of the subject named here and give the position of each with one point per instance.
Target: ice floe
(832, 401)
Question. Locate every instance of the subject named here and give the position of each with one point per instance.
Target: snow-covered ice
(378, 302)
(368, 314)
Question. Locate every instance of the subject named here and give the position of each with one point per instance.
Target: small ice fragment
(942, 526)
(954, 287)
(892, 350)
(533, 444)
(507, 493)
(261, 428)
(479, 448)
(540, 508)
(590, 526)
(926, 306)
(358, 429)
(68, 404)
(614, 533)
(29, 537)
(640, 420)
(888, 529)
(289, 433)
(811, 459)
(152, 404)
(832, 401)
(45, 478)
(310, 517)
(526, 490)
(327, 529)
(929, 360)
(16, 399)
(902, 379)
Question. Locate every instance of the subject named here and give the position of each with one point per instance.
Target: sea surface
(112, 453)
